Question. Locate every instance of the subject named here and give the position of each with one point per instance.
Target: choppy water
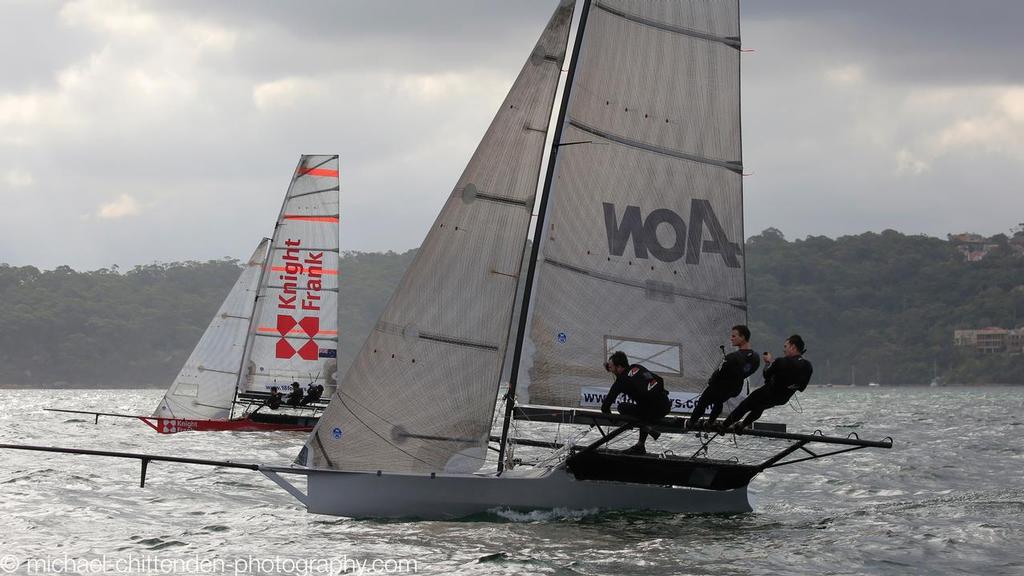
(948, 499)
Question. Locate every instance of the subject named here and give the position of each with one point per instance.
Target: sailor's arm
(613, 393)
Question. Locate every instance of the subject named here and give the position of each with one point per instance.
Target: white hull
(448, 496)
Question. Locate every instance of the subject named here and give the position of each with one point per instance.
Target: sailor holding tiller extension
(727, 381)
(645, 388)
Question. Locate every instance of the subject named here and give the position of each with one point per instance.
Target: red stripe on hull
(175, 425)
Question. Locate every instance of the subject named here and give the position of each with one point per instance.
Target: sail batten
(728, 165)
(420, 394)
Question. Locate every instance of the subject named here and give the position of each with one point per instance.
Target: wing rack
(712, 459)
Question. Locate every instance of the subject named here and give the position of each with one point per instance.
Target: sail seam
(332, 189)
(732, 166)
(731, 41)
(644, 286)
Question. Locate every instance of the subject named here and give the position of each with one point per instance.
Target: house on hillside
(991, 340)
(974, 247)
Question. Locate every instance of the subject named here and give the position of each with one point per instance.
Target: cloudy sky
(134, 131)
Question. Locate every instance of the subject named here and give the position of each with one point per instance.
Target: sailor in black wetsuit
(295, 396)
(645, 388)
(274, 401)
(313, 394)
(782, 378)
(727, 381)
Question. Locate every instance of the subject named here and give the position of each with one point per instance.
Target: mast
(739, 116)
(524, 308)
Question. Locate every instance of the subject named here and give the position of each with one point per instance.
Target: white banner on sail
(682, 402)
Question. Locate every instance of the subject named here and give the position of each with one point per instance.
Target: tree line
(877, 307)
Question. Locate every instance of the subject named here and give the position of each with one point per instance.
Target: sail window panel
(715, 17)
(572, 314)
(456, 298)
(630, 214)
(213, 364)
(186, 389)
(661, 357)
(658, 88)
(430, 415)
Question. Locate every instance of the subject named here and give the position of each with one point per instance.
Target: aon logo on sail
(689, 239)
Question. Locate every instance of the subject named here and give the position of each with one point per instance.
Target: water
(948, 499)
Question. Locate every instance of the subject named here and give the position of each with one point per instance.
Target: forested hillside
(884, 305)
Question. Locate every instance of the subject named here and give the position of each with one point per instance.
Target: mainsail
(205, 386)
(641, 245)
(420, 395)
(294, 331)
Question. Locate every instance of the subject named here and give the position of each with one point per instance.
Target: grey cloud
(922, 41)
(209, 169)
(35, 45)
(315, 37)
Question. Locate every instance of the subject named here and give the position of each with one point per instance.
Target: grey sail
(641, 249)
(420, 394)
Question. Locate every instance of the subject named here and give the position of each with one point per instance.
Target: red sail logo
(310, 327)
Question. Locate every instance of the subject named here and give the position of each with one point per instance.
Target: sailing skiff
(277, 325)
(637, 246)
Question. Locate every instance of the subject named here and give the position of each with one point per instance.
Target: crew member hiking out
(295, 396)
(313, 394)
(645, 388)
(727, 381)
(274, 401)
(782, 378)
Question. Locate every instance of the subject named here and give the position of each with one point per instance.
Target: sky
(134, 132)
